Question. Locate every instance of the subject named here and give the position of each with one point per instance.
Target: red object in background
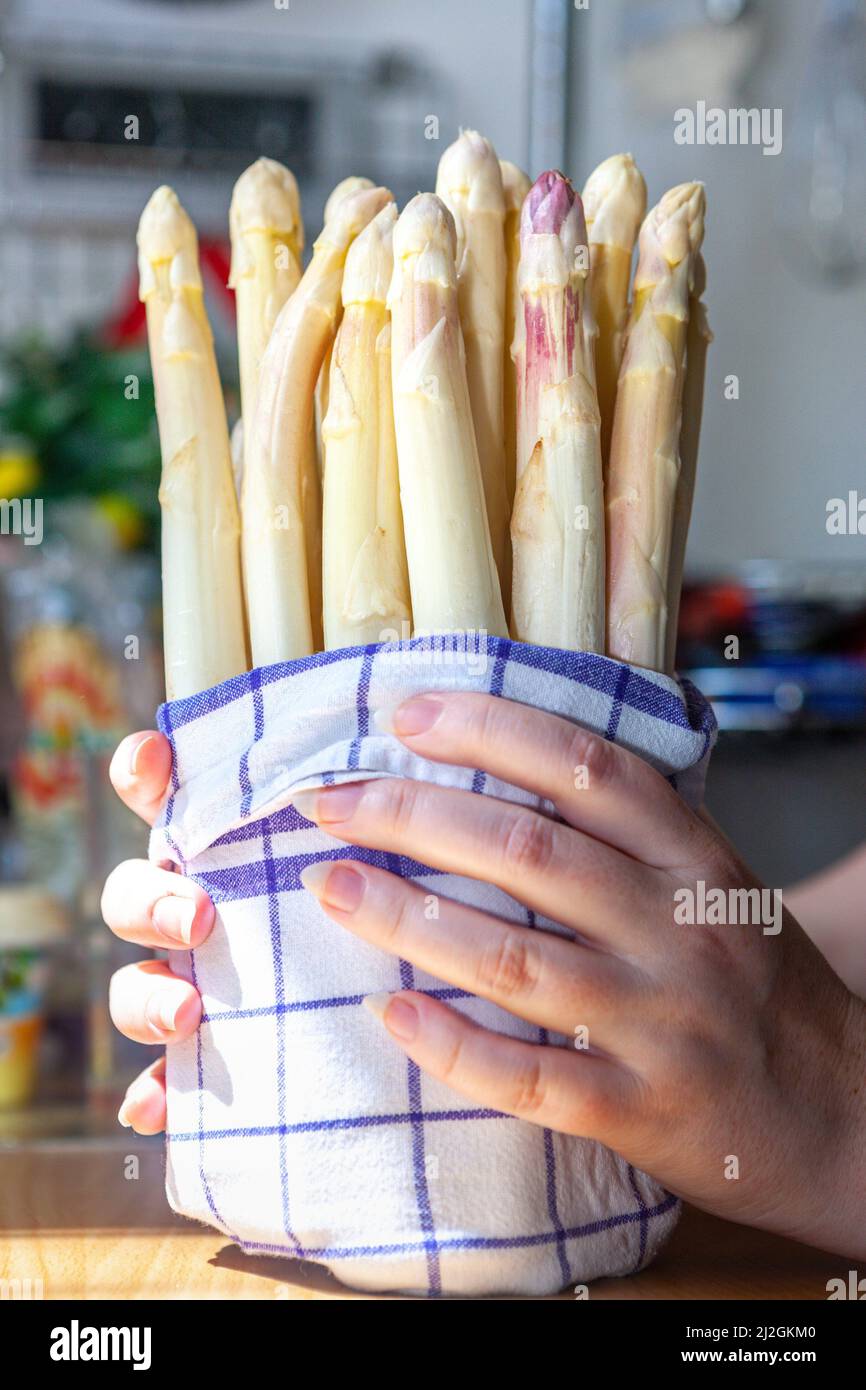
(712, 607)
(128, 324)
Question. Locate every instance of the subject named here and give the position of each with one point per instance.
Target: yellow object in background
(19, 1047)
(125, 518)
(19, 473)
(31, 923)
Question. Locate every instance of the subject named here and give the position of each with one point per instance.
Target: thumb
(140, 771)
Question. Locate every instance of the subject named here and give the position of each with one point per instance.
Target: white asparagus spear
(366, 583)
(469, 182)
(515, 185)
(452, 573)
(698, 339)
(355, 183)
(557, 528)
(614, 202)
(278, 603)
(644, 457)
(267, 236)
(202, 604)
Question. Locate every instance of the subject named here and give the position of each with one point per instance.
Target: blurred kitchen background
(101, 100)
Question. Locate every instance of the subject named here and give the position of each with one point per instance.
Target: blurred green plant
(14, 966)
(84, 415)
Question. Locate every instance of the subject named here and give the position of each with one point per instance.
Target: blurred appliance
(101, 100)
(157, 89)
(782, 694)
(798, 661)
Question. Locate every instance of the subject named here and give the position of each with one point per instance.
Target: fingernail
(133, 1096)
(135, 755)
(396, 1013)
(329, 805)
(335, 884)
(173, 919)
(413, 716)
(161, 1011)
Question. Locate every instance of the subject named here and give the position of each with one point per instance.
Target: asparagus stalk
(452, 572)
(267, 237)
(698, 339)
(644, 458)
(469, 182)
(614, 201)
(515, 185)
(557, 528)
(278, 600)
(202, 603)
(366, 583)
(355, 183)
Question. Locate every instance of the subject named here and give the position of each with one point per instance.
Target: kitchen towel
(295, 1125)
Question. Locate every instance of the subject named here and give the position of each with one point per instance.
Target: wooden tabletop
(90, 1221)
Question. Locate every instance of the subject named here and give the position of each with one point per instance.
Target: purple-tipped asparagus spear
(557, 526)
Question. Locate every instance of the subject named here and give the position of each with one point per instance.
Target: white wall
(797, 436)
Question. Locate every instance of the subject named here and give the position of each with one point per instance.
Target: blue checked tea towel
(295, 1125)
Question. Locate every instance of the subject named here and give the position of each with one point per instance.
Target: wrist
(850, 1185)
(821, 1198)
(837, 1216)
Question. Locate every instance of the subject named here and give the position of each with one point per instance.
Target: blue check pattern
(295, 1126)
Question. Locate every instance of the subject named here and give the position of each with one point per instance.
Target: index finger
(595, 785)
(140, 772)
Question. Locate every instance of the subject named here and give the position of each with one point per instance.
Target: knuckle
(529, 844)
(597, 991)
(529, 1091)
(713, 854)
(598, 1111)
(452, 1062)
(483, 720)
(398, 916)
(595, 754)
(401, 799)
(510, 967)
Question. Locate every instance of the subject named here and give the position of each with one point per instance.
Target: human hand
(156, 908)
(708, 1044)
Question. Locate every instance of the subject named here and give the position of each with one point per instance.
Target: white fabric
(295, 1125)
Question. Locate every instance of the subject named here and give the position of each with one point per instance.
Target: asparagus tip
(352, 214)
(552, 208)
(469, 172)
(165, 227)
(370, 260)
(549, 203)
(614, 201)
(676, 223)
(424, 222)
(166, 236)
(265, 198)
(355, 183)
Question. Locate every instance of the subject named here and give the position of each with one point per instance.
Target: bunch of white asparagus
(463, 419)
